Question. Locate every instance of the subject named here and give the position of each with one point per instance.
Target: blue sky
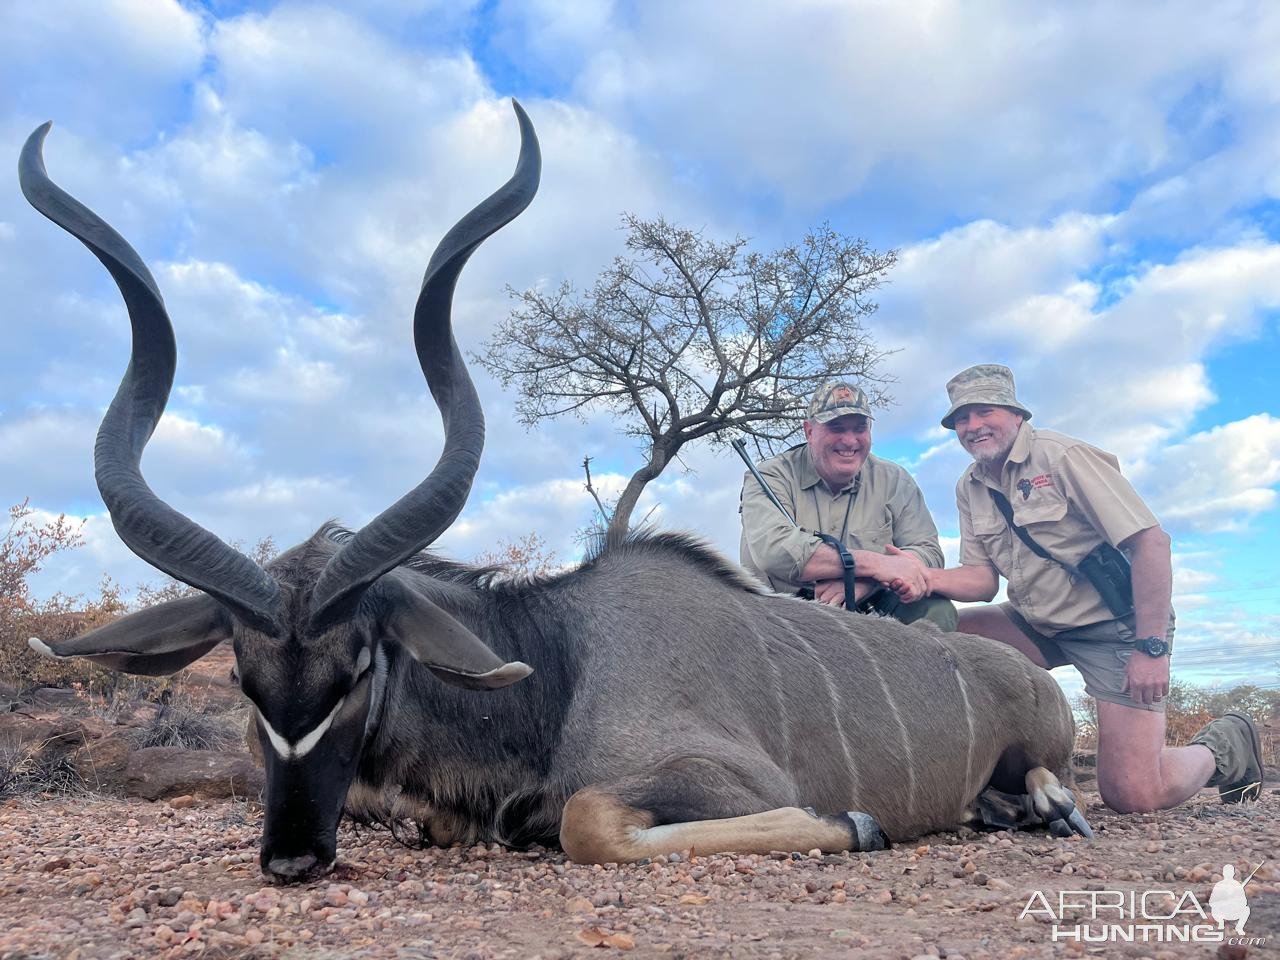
(1085, 191)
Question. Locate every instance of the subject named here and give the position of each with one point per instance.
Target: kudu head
(312, 628)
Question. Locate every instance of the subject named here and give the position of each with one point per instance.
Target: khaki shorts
(1099, 651)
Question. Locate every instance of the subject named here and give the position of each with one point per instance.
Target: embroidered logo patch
(1025, 486)
(1044, 480)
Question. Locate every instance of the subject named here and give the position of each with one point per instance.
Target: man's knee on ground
(1129, 796)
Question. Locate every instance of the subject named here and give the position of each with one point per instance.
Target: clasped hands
(901, 572)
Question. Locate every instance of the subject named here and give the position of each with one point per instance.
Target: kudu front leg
(1046, 803)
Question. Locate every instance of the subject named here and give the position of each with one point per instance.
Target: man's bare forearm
(1150, 556)
(966, 582)
(825, 565)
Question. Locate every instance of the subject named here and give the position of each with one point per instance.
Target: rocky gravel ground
(89, 878)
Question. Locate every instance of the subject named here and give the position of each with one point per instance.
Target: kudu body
(672, 704)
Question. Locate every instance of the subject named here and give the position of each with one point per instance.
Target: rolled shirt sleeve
(1092, 481)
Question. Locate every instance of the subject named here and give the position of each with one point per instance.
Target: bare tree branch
(586, 467)
(688, 337)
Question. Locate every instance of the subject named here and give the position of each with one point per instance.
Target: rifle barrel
(740, 446)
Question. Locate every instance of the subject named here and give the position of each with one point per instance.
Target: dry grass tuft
(31, 768)
(190, 724)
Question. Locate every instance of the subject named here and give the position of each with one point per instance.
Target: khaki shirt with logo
(882, 505)
(1070, 497)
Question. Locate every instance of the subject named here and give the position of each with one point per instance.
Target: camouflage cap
(838, 398)
(990, 384)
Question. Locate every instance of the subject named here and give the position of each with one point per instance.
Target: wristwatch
(1152, 646)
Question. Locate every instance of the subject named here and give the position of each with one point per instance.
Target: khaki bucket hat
(986, 383)
(838, 398)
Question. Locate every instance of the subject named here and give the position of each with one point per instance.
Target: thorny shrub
(527, 556)
(26, 544)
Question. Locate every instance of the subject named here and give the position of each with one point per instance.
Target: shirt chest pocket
(1044, 509)
(874, 536)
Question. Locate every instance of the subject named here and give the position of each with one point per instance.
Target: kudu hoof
(1072, 821)
(867, 833)
(295, 869)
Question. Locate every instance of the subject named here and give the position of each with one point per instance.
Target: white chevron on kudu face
(299, 749)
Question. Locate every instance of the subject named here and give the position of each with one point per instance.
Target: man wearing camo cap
(1075, 509)
(831, 484)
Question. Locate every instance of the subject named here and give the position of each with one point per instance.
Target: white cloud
(555, 509)
(99, 64)
(327, 77)
(1219, 479)
(48, 455)
(221, 314)
(1202, 297)
(977, 292)
(1042, 105)
(289, 380)
(444, 16)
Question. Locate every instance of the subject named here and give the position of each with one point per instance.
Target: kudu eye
(234, 675)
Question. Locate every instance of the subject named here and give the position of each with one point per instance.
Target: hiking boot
(1237, 755)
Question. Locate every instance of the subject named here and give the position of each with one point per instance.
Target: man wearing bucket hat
(1089, 583)
(832, 486)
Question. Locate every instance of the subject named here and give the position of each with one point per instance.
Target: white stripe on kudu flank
(968, 719)
(834, 694)
(779, 701)
(300, 749)
(908, 754)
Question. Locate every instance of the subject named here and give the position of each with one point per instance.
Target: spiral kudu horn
(150, 527)
(426, 511)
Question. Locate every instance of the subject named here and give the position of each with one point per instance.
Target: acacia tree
(688, 337)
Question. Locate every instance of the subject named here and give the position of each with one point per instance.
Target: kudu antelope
(667, 702)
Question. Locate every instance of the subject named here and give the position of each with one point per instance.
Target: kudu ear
(159, 640)
(439, 642)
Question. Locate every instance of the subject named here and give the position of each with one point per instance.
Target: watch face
(1153, 646)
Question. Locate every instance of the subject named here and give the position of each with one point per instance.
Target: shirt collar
(1021, 448)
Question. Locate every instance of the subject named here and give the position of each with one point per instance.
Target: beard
(995, 450)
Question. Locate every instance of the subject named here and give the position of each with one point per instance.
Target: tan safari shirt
(882, 505)
(1070, 497)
